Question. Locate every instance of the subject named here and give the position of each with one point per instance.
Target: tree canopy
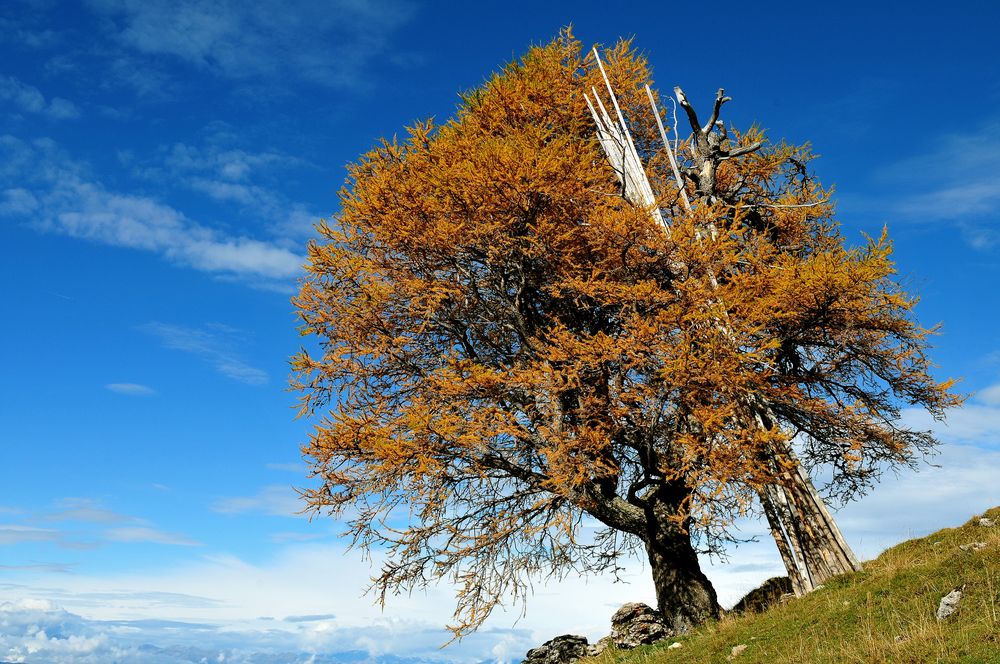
(510, 350)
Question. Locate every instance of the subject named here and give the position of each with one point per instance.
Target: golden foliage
(507, 344)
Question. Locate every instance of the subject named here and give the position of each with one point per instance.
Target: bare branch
(720, 99)
(692, 116)
(739, 152)
(792, 206)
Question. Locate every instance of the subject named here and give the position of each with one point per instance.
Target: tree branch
(720, 99)
(739, 152)
(692, 116)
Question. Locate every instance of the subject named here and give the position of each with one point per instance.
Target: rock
(949, 604)
(736, 651)
(675, 644)
(560, 650)
(768, 594)
(637, 624)
(974, 546)
(987, 523)
(596, 649)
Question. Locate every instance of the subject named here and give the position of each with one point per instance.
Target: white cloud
(224, 164)
(84, 523)
(131, 389)
(142, 534)
(213, 343)
(989, 396)
(321, 581)
(29, 99)
(954, 181)
(22, 31)
(18, 202)
(87, 510)
(64, 200)
(284, 537)
(56, 568)
(233, 175)
(976, 422)
(299, 468)
(330, 43)
(41, 630)
(274, 500)
(16, 533)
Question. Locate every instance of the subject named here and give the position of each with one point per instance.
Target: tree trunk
(808, 539)
(684, 595)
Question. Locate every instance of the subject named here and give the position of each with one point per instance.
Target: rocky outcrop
(596, 649)
(633, 625)
(637, 624)
(767, 595)
(560, 650)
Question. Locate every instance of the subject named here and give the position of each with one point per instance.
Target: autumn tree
(512, 347)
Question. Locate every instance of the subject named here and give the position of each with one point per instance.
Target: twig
(670, 153)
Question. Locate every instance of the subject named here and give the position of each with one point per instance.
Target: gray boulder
(637, 624)
(560, 650)
(949, 604)
(595, 649)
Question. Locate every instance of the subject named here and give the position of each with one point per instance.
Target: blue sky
(161, 166)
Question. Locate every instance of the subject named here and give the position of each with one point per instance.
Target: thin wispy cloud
(974, 423)
(131, 389)
(273, 500)
(143, 598)
(955, 181)
(287, 467)
(143, 534)
(54, 568)
(26, 98)
(86, 510)
(84, 523)
(311, 618)
(215, 344)
(42, 186)
(989, 396)
(232, 175)
(284, 537)
(22, 31)
(331, 43)
(16, 534)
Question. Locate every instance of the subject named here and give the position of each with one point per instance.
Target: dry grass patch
(886, 613)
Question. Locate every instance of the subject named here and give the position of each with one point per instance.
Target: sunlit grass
(886, 613)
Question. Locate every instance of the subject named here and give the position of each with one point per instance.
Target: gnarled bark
(684, 595)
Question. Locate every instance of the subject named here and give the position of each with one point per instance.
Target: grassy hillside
(884, 614)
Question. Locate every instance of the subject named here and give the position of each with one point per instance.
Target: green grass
(885, 613)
